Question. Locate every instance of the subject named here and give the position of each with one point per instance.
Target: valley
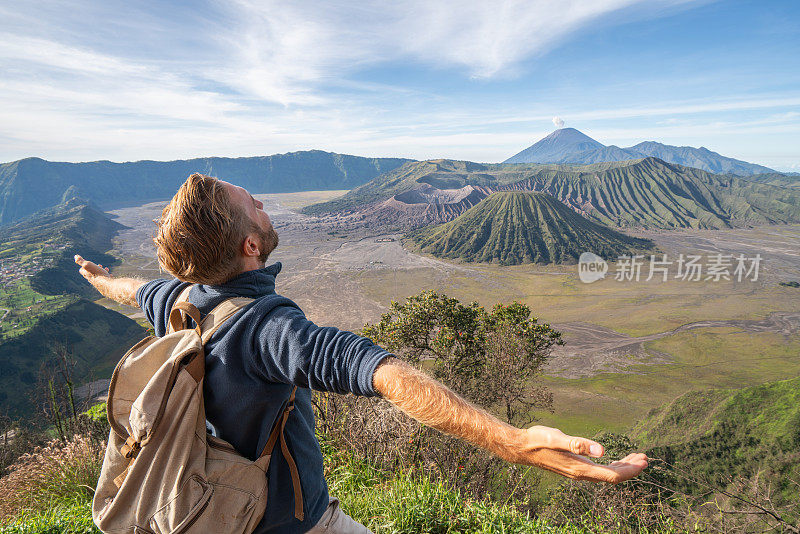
(630, 345)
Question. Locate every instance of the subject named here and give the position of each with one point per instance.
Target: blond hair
(200, 232)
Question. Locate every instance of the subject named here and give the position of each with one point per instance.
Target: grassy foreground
(52, 495)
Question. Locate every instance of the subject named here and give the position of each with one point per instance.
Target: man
(216, 235)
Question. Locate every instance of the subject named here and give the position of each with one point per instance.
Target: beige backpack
(162, 472)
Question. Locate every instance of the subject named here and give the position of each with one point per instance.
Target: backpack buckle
(131, 448)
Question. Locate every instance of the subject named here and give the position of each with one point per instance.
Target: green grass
(408, 502)
(63, 518)
(400, 502)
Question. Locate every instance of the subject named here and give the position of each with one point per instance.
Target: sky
(461, 79)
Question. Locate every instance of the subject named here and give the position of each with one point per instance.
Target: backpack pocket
(184, 509)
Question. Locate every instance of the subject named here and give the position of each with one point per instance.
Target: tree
(491, 358)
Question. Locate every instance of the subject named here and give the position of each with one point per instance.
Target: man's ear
(250, 246)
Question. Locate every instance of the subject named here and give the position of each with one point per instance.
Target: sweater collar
(255, 283)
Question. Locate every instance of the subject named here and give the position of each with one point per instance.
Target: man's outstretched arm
(123, 290)
(434, 405)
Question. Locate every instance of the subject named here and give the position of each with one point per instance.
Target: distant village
(13, 269)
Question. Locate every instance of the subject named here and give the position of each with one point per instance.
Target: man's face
(264, 232)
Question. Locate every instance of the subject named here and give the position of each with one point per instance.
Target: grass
(63, 518)
(50, 489)
(410, 503)
(56, 500)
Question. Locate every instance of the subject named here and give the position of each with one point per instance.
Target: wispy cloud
(95, 80)
(284, 49)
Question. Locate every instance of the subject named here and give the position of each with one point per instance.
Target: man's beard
(268, 240)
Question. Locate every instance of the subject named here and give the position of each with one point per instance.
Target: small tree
(491, 358)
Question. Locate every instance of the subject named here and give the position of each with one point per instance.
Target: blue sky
(451, 78)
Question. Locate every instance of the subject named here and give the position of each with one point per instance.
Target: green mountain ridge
(31, 184)
(720, 434)
(523, 227)
(56, 234)
(644, 193)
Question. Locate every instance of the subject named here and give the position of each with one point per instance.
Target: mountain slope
(51, 237)
(774, 178)
(95, 337)
(651, 193)
(523, 227)
(441, 174)
(557, 147)
(647, 193)
(720, 434)
(32, 184)
(47, 302)
(568, 145)
(699, 158)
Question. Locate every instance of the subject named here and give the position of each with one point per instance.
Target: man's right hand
(434, 405)
(90, 270)
(123, 290)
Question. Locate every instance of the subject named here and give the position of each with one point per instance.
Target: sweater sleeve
(296, 351)
(155, 298)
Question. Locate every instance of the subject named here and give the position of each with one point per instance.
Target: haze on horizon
(163, 80)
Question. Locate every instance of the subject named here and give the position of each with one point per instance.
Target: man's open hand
(123, 290)
(551, 449)
(90, 270)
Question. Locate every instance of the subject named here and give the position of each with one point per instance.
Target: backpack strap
(220, 314)
(180, 322)
(277, 432)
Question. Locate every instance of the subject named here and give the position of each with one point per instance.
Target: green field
(703, 358)
(25, 307)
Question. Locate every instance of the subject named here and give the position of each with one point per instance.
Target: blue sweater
(252, 363)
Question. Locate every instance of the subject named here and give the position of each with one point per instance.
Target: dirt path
(593, 349)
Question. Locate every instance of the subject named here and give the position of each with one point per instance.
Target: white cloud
(283, 50)
(268, 77)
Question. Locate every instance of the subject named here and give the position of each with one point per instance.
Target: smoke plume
(558, 122)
